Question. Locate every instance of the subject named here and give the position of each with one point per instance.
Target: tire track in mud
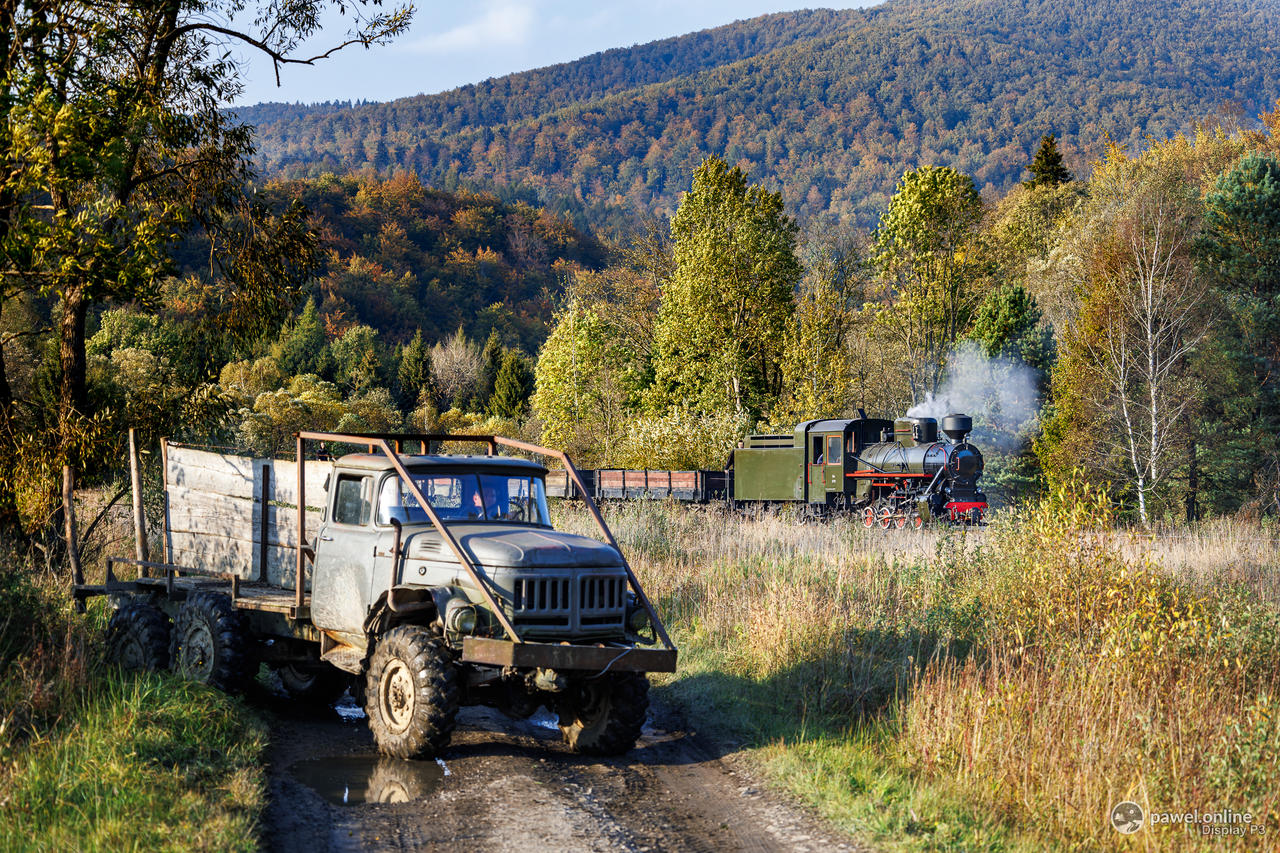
(507, 784)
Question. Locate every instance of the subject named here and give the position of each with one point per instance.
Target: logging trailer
(419, 582)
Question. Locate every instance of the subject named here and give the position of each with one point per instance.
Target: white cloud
(503, 23)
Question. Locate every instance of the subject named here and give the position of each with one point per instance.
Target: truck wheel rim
(131, 654)
(197, 653)
(396, 696)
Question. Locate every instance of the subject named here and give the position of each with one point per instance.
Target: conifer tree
(1047, 168)
(512, 388)
(490, 363)
(302, 346)
(413, 376)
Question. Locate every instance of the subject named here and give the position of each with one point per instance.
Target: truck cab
(551, 585)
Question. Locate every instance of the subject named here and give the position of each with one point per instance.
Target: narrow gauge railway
(896, 473)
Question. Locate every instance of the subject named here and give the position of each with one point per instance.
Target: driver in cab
(487, 504)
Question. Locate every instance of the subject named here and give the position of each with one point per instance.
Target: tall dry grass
(1042, 669)
(46, 653)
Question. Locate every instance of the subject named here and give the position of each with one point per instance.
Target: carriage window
(352, 504)
(833, 450)
(816, 457)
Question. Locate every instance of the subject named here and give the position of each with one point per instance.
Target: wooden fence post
(141, 548)
(69, 517)
(264, 523)
(164, 482)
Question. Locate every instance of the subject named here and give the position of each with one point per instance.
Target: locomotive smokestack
(957, 427)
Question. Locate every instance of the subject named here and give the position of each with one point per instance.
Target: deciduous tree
(1125, 375)
(927, 255)
(816, 367)
(722, 325)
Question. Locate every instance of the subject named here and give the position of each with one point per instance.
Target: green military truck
(420, 582)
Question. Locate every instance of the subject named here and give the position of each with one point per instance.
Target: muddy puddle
(348, 780)
(348, 710)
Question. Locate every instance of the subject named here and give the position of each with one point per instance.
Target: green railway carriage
(810, 465)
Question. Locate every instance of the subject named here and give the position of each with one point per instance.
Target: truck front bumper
(567, 658)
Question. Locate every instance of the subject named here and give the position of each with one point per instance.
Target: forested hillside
(532, 93)
(829, 107)
(404, 258)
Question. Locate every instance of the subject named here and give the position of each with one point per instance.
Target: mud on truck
(420, 582)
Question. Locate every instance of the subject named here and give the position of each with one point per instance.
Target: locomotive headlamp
(460, 618)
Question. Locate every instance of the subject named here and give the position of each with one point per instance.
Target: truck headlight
(460, 618)
(638, 621)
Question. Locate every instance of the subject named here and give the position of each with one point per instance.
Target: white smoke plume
(1001, 396)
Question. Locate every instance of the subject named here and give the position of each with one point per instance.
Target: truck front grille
(542, 595)
(570, 603)
(602, 600)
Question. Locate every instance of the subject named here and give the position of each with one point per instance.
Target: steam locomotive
(893, 473)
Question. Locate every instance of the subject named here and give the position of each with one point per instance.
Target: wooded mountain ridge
(828, 106)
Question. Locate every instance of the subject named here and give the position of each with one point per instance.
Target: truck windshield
(472, 497)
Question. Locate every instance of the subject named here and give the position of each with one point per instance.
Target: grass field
(999, 689)
(91, 760)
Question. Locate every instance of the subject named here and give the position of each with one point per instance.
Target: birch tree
(1141, 319)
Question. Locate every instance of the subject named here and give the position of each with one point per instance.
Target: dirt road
(508, 785)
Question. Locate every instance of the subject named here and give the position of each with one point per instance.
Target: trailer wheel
(210, 644)
(138, 637)
(321, 684)
(411, 693)
(604, 716)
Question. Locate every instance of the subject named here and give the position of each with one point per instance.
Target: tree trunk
(6, 391)
(1193, 482)
(73, 392)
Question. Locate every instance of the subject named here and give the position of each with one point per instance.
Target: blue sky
(452, 44)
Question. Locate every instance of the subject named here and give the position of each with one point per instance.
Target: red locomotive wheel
(886, 517)
(917, 522)
(869, 518)
(900, 522)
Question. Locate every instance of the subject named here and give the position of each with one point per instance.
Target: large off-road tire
(138, 637)
(319, 684)
(604, 716)
(411, 693)
(210, 644)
